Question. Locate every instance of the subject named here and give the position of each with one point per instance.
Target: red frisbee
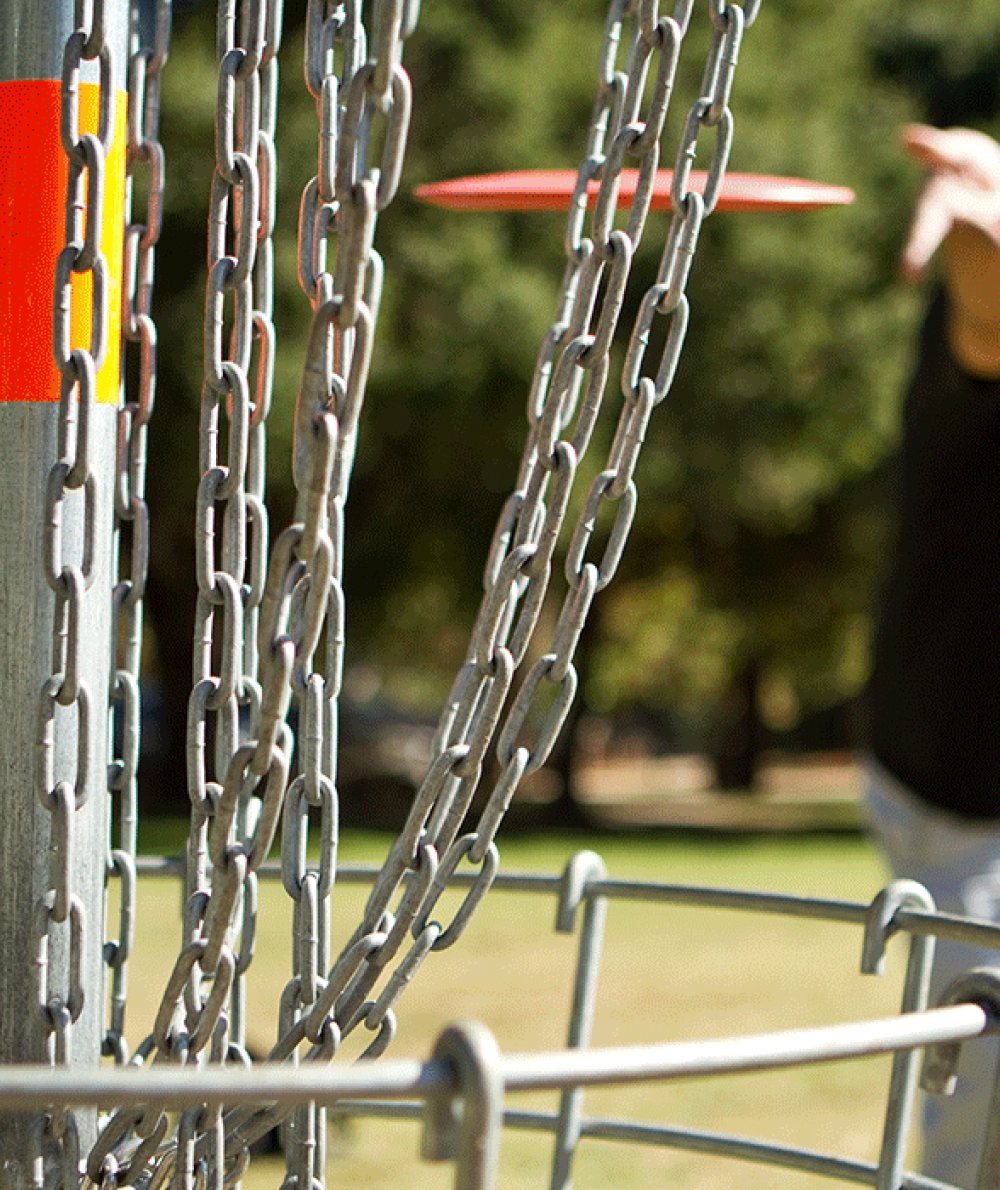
(552, 190)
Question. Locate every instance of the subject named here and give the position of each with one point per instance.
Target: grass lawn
(668, 973)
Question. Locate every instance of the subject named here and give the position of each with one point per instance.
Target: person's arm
(959, 212)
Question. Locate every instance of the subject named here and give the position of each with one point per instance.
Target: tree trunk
(739, 737)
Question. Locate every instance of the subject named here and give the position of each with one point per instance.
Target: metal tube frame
(583, 893)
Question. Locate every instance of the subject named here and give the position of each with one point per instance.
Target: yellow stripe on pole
(33, 178)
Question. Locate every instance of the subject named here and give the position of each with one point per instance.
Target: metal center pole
(56, 560)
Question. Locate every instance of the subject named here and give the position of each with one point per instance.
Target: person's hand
(959, 212)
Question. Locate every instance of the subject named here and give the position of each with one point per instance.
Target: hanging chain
(300, 595)
(224, 845)
(429, 851)
(363, 99)
(569, 383)
(564, 403)
(143, 152)
(201, 1016)
(360, 98)
(260, 383)
(61, 911)
(148, 50)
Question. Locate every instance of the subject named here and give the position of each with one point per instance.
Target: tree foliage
(761, 516)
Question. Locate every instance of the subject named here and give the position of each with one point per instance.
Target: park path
(795, 793)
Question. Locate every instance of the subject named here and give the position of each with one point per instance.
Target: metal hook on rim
(471, 1136)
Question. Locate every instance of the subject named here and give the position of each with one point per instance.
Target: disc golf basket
(79, 143)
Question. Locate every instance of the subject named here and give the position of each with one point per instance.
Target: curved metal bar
(981, 986)
(472, 1140)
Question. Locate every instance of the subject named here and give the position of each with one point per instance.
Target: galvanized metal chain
(429, 852)
(144, 156)
(363, 100)
(260, 382)
(564, 404)
(222, 853)
(222, 574)
(569, 384)
(567, 390)
(355, 75)
(66, 702)
(300, 598)
(201, 1016)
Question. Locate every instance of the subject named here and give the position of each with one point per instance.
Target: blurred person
(933, 791)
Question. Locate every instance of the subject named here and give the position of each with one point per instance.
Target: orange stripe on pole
(33, 176)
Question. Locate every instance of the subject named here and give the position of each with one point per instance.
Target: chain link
(144, 166)
(66, 695)
(362, 96)
(564, 402)
(363, 101)
(284, 601)
(226, 792)
(235, 801)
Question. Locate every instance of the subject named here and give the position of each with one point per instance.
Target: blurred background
(738, 625)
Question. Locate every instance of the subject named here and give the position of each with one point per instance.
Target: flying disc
(552, 190)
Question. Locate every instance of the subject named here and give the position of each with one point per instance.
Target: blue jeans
(958, 862)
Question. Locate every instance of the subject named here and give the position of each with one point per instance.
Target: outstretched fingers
(961, 193)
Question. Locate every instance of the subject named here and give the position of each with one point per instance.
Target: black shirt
(935, 687)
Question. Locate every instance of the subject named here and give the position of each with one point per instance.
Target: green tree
(760, 518)
(767, 488)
